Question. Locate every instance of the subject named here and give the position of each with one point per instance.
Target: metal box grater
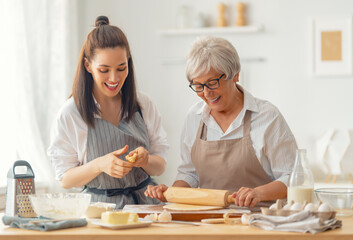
(19, 187)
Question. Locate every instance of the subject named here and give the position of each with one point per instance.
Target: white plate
(140, 224)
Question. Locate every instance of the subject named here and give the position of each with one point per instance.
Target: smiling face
(222, 98)
(109, 69)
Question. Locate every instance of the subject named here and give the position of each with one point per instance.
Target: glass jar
(301, 180)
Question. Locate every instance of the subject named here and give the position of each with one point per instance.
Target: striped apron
(106, 138)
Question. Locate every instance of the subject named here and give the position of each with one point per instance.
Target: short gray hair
(211, 52)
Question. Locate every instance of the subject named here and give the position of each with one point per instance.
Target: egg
(277, 205)
(325, 207)
(288, 205)
(296, 206)
(245, 219)
(309, 207)
(273, 206)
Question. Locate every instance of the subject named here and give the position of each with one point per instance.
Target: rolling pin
(199, 196)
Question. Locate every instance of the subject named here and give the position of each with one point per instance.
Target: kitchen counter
(171, 231)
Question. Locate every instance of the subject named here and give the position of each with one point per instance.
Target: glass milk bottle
(301, 181)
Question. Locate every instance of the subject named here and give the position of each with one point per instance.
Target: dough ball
(165, 216)
(96, 209)
(151, 217)
(245, 219)
(132, 158)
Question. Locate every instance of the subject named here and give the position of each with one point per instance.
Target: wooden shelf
(210, 30)
(182, 60)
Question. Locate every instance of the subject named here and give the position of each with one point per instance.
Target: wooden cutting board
(143, 209)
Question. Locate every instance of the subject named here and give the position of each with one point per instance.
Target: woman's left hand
(247, 197)
(142, 157)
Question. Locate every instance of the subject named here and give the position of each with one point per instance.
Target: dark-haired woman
(104, 120)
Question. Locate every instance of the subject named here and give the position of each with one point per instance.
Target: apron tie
(129, 191)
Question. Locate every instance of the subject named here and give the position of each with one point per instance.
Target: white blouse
(272, 140)
(68, 143)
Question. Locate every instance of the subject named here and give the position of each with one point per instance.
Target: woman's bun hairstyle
(102, 20)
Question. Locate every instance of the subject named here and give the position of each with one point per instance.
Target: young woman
(104, 120)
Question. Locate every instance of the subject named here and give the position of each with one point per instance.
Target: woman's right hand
(156, 192)
(112, 165)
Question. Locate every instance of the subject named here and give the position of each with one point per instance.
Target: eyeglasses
(211, 84)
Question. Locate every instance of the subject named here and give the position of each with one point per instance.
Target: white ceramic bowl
(60, 205)
(339, 198)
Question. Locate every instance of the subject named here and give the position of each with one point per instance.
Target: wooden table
(173, 231)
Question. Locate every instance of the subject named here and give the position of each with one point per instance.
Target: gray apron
(227, 164)
(106, 138)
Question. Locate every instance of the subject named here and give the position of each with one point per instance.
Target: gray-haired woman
(230, 140)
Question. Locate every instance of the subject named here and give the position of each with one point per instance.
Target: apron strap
(140, 112)
(130, 191)
(247, 122)
(202, 132)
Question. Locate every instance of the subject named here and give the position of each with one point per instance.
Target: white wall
(310, 105)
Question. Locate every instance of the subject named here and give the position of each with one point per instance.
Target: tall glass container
(301, 180)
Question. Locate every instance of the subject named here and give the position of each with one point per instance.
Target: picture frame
(331, 45)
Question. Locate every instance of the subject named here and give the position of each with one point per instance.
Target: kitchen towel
(20, 222)
(299, 222)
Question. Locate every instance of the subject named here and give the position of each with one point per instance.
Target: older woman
(231, 140)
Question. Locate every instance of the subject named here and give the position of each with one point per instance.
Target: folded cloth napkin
(20, 222)
(299, 222)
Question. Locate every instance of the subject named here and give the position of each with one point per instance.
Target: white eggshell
(309, 207)
(287, 206)
(245, 219)
(325, 207)
(296, 206)
(273, 206)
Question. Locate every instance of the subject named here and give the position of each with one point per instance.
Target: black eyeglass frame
(205, 84)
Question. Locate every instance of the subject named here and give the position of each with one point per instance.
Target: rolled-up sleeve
(62, 152)
(280, 148)
(153, 120)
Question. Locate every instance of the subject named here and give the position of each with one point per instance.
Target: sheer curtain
(40, 64)
(7, 136)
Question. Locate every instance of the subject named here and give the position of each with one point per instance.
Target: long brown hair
(102, 36)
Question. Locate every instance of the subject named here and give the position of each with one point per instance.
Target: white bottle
(183, 17)
(301, 181)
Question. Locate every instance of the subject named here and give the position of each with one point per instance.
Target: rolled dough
(189, 207)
